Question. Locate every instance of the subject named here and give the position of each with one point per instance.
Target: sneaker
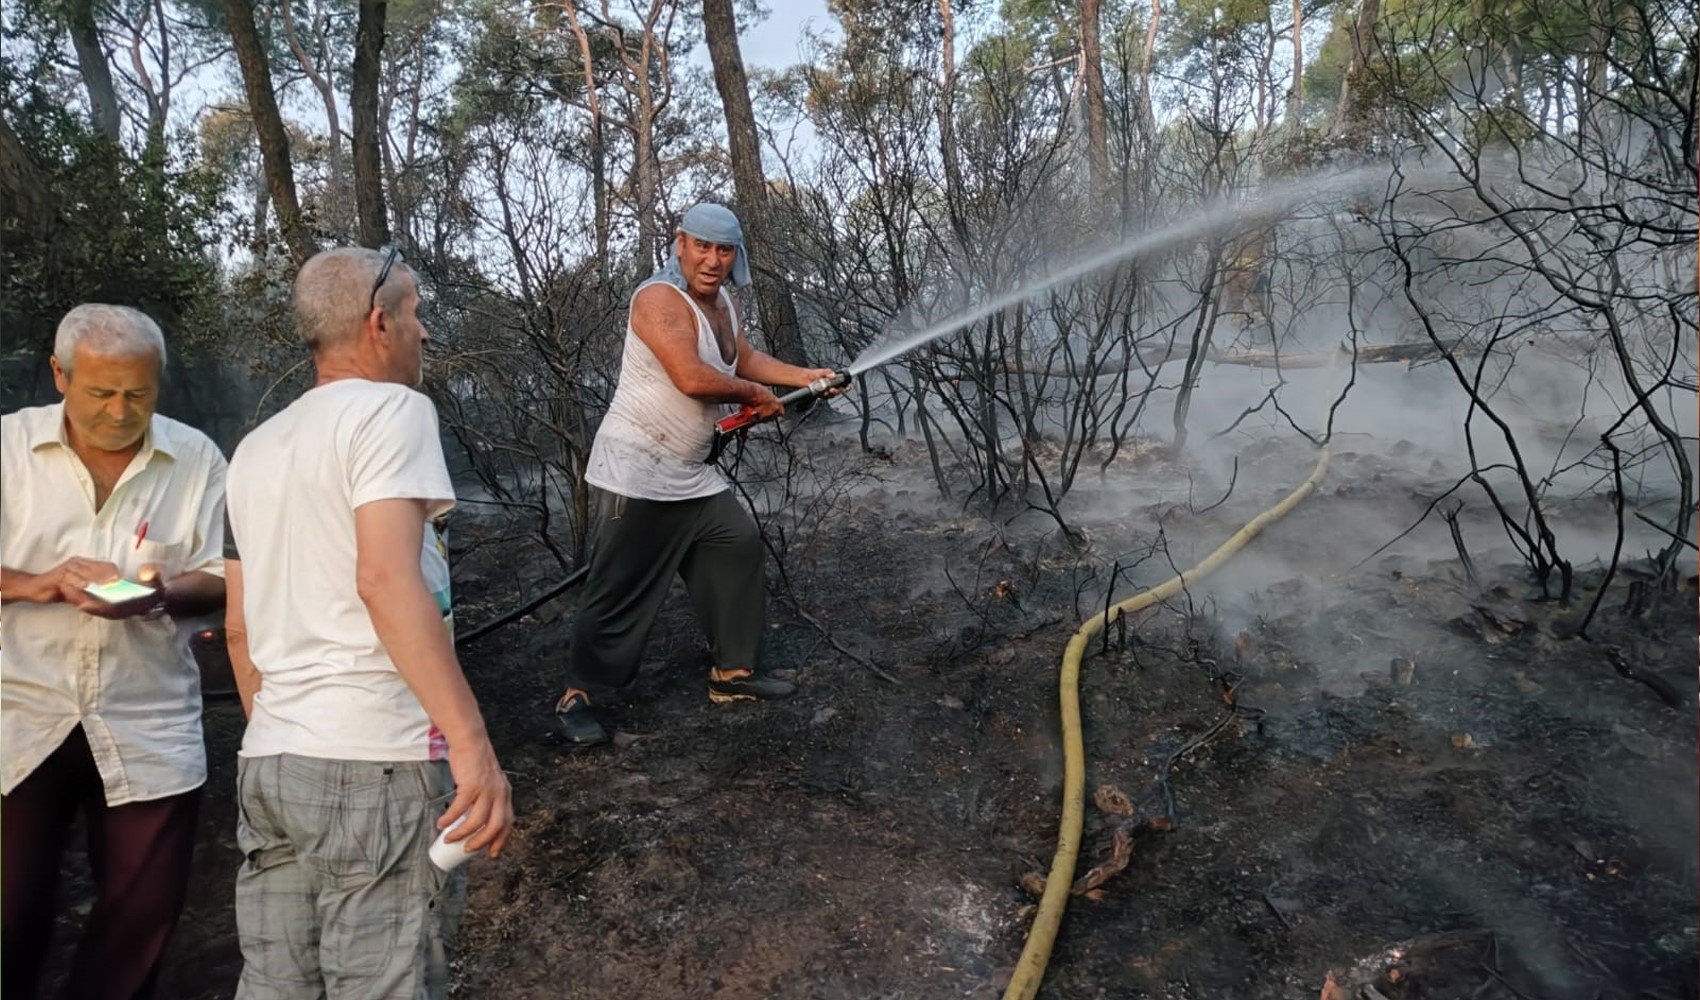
(749, 687)
(577, 722)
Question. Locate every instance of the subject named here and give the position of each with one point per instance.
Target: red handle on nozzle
(745, 417)
(726, 426)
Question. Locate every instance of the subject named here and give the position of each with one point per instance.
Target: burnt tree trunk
(1148, 115)
(268, 124)
(953, 185)
(773, 292)
(603, 207)
(598, 143)
(1295, 100)
(647, 180)
(1209, 301)
(91, 62)
(1349, 112)
(1601, 17)
(1092, 58)
(363, 102)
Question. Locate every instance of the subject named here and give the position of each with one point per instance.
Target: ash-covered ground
(1422, 784)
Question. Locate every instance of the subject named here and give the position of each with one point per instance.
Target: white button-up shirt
(132, 685)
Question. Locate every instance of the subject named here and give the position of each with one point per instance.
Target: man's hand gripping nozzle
(736, 424)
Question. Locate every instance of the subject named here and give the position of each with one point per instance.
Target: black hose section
(574, 579)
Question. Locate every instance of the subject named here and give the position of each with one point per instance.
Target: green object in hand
(118, 591)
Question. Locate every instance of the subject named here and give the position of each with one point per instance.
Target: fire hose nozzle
(745, 418)
(822, 386)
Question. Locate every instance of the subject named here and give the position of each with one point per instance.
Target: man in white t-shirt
(361, 726)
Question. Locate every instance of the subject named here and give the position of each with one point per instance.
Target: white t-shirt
(328, 688)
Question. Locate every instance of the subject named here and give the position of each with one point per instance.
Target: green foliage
(122, 231)
(1326, 67)
(1215, 39)
(1047, 28)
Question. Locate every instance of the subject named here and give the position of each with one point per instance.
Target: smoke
(1541, 366)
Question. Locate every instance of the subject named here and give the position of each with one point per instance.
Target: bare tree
(645, 79)
(96, 71)
(1092, 67)
(268, 125)
(156, 96)
(1348, 108)
(1295, 96)
(363, 99)
(1149, 119)
(773, 291)
(598, 145)
(949, 154)
(1590, 217)
(411, 70)
(319, 70)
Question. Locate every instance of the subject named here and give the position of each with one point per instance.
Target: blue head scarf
(716, 224)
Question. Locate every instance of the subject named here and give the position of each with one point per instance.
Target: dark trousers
(140, 854)
(636, 547)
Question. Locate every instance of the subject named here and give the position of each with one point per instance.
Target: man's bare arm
(193, 593)
(64, 582)
(32, 588)
(236, 638)
(769, 370)
(666, 325)
(388, 537)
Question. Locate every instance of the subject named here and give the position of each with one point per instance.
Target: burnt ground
(1509, 811)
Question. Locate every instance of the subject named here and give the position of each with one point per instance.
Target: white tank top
(652, 443)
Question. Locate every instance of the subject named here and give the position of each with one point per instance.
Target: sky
(775, 42)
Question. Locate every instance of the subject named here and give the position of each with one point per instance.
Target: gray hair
(110, 331)
(333, 293)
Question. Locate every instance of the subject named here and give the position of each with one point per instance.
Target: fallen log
(1377, 354)
(1409, 353)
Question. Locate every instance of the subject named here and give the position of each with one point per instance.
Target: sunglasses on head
(391, 255)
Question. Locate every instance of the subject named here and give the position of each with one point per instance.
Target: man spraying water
(657, 507)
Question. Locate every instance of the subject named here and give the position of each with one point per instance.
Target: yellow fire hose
(1030, 970)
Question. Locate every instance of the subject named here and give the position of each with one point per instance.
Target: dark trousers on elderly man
(140, 853)
(636, 548)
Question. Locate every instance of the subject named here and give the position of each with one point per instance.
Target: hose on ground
(1030, 969)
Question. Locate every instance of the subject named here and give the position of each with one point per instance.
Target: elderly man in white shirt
(101, 706)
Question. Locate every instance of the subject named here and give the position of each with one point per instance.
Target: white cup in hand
(448, 855)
